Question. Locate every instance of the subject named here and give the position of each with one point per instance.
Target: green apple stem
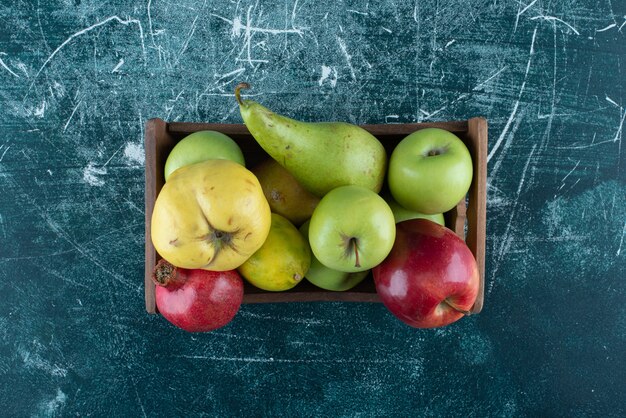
(356, 252)
(238, 88)
(456, 308)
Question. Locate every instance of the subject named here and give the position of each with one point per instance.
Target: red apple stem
(238, 88)
(456, 308)
(164, 273)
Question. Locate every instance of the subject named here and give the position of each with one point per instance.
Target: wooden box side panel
(158, 143)
(477, 209)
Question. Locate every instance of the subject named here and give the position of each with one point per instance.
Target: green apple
(327, 278)
(352, 229)
(430, 171)
(403, 214)
(202, 146)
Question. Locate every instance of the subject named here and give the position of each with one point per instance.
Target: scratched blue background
(78, 80)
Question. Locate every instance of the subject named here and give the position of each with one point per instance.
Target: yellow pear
(285, 195)
(282, 261)
(210, 215)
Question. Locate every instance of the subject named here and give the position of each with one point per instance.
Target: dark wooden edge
(184, 128)
(150, 196)
(318, 296)
(156, 140)
(160, 134)
(456, 218)
(477, 210)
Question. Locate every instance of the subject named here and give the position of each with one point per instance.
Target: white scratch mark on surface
(72, 115)
(386, 29)
(91, 173)
(567, 175)
(306, 321)
(491, 77)
(521, 13)
(548, 130)
(61, 233)
(134, 153)
(237, 26)
(344, 50)
(59, 90)
(515, 106)
(506, 238)
(621, 241)
(556, 19)
(428, 115)
(171, 107)
(150, 23)
(143, 411)
(618, 134)
(88, 29)
(6, 67)
(287, 360)
(357, 12)
(35, 361)
(249, 31)
(235, 31)
(117, 67)
(41, 109)
(4, 230)
(392, 117)
(449, 43)
(22, 68)
(608, 99)
(507, 143)
(4, 152)
(189, 36)
(51, 408)
(326, 73)
(232, 73)
(612, 25)
(111, 157)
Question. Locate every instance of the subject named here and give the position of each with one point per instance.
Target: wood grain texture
(78, 81)
(477, 207)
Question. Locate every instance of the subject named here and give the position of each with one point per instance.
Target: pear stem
(356, 252)
(456, 308)
(238, 88)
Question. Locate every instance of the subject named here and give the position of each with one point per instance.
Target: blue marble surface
(78, 80)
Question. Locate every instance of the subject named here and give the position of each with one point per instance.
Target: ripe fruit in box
(430, 278)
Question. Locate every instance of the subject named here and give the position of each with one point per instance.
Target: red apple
(197, 300)
(430, 278)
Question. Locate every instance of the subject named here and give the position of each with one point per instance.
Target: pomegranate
(197, 300)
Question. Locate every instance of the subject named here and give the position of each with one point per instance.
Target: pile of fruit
(312, 211)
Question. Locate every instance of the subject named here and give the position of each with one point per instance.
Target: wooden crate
(467, 220)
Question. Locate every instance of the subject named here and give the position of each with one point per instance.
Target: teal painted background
(78, 80)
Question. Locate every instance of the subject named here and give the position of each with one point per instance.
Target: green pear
(321, 156)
